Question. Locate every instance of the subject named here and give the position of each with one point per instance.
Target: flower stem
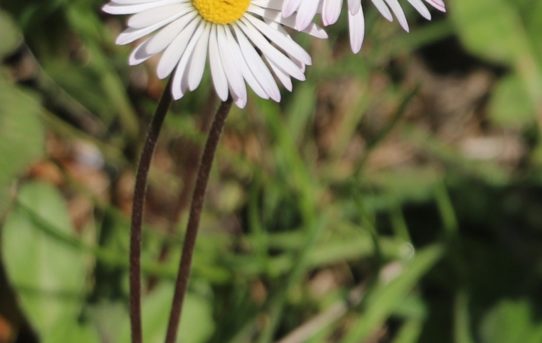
(181, 284)
(137, 212)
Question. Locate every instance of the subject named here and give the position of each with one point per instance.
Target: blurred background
(395, 196)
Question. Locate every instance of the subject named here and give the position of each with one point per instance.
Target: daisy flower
(244, 42)
(331, 10)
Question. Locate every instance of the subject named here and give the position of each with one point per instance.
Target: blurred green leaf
(409, 332)
(534, 25)
(491, 28)
(47, 275)
(511, 321)
(284, 168)
(197, 324)
(22, 134)
(72, 331)
(462, 332)
(496, 31)
(11, 38)
(398, 186)
(380, 304)
(510, 105)
(301, 111)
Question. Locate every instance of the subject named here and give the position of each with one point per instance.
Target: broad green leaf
(21, 131)
(48, 274)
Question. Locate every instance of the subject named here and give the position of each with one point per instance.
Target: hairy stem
(137, 213)
(198, 196)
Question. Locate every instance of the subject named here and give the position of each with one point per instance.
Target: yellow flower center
(221, 11)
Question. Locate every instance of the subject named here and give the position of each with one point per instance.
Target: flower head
(331, 10)
(244, 42)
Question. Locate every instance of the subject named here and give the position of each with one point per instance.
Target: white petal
(421, 8)
(257, 65)
(156, 15)
(383, 9)
(285, 44)
(399, 14)
(180, 82)
(306, 13)
(237, 56)
(174, 51)
(139, 54)
(280, 74)
(165, 36)
(356, 23)
(231, 69)
(197, 62)
(217, 69)
(354, 6)
(290, 6)
(135, 7)
(270, 51)
(331, 11)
